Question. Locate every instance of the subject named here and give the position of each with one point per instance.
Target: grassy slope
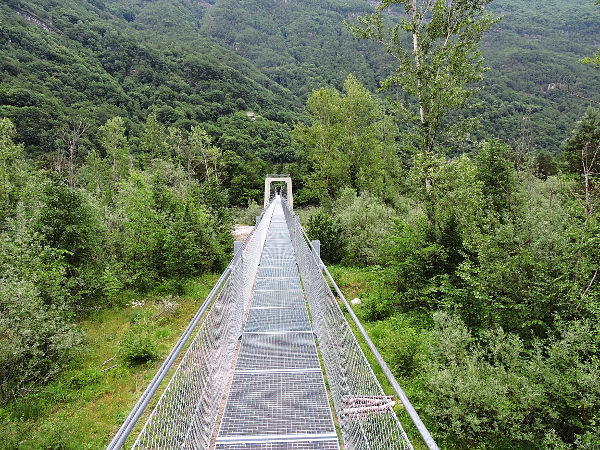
(84, 407)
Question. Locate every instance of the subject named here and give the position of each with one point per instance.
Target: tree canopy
(350, 143)
(437, 66)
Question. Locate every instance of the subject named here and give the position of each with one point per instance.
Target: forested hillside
(531, 93)
(199, 61)
(533, 54)
(77, 61)
(463, 208)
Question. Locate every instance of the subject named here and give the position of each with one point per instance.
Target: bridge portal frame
(277, 177)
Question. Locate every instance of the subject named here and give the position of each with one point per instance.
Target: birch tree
(582, 159)
(201, 145)
(115, 144)
(436, 46)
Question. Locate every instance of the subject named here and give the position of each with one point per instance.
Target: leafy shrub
(54, 436)
(36, 340)
(85, 377)
(365, 221)
(481, 393)
(329, 231)
(375, 309)
(138, 345)
(112, 285)
(493, 391)
(406, 347)
(68, 221)
(138, 315)
(13, 431)
(379, 302)
(248, 216)
(590, 440)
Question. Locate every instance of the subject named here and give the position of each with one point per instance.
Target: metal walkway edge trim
(277, 438)
(252, 372)
(279, 332)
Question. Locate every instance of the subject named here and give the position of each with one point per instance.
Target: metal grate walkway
(277, 398)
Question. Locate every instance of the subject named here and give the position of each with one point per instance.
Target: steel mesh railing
(365, 414)
(186, 413)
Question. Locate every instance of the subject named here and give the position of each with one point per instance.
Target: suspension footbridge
(272, 363)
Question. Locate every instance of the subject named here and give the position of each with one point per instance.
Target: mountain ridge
(174, 54)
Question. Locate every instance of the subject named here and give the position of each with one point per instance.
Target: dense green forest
(67, 60)
(131, 132)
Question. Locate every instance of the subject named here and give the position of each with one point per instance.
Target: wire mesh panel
(277, 320)
(276, 404)
(186, 413)
(277, 252)
(281, 299)
(277, 272)
(280, 445)
(365, 413)
(278, 284)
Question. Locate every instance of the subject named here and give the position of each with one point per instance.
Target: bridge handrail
(243, 265)
(414, 416)
(365, 414)
(410, 410)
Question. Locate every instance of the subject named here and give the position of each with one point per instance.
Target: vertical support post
(267, 191)
(290, 197)
(317, 246)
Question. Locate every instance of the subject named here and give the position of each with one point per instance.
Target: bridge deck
(277, 398)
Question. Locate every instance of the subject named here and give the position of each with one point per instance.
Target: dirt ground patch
(241, 232)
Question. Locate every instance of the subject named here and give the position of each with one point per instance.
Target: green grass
(84, 407)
